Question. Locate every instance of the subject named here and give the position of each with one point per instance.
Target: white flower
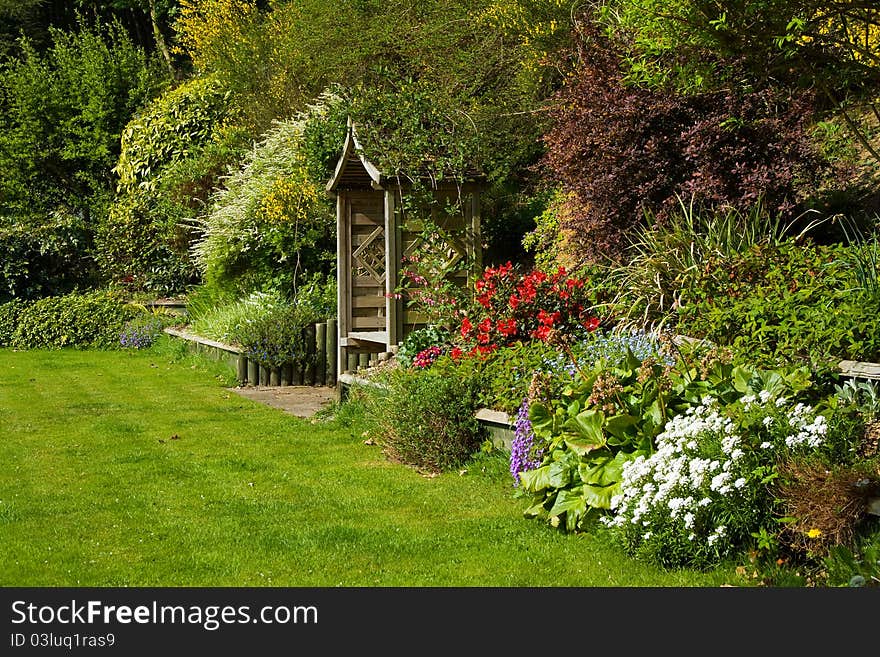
(718, 481)
(719, 532)
(728, 443)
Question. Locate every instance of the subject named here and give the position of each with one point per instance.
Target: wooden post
(321, 352)
(296, 375)
(274, 376)
(264, 374)
(309, 373)
(253, 372)
(286, 374)
(363, 360)
(242, 370)
(392, 266)
(343, 277)
(332, 337)
(475, 243)
(351, 362)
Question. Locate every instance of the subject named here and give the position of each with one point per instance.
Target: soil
(302, 401)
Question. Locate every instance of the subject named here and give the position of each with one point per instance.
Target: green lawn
(139, 469)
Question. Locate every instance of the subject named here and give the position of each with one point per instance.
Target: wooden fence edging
(320, 369)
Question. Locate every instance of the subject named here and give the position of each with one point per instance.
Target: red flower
(485, 325)
(548, 319)
(506, 327)
(538, 276)
(483, 338)
(455, 353)
(526, 292)
(466, 327)
(592, 324)
(541, 332)
(484, 350)
(513, 302)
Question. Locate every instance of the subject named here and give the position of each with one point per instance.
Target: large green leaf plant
(612, 413)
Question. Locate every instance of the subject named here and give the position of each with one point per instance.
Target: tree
(620, 150)
(832, 46)
(61, 116)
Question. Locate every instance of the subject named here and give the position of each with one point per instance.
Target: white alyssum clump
(706, 468)
(677, 482)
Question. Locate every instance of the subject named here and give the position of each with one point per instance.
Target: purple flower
(523, 455)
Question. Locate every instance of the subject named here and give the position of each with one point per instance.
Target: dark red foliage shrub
(620, 150)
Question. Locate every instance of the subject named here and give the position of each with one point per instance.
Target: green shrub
(168, 129)
(277, 337)
(426, 418)
(9, 313)
(172, 154)
(45, 256)
(271, 226)
(92, 320)
(316, 297)
(785, 302)
(65, 103)
(855, 565)
(667, 262)
(223, 321)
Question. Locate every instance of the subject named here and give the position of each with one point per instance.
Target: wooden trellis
(373, 236)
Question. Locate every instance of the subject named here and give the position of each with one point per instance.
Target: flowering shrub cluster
(427, 290)
(420, 340)
(703, 493)
(509, 308)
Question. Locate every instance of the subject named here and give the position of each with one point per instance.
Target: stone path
(302, 401)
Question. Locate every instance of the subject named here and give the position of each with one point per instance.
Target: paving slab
(302, 401)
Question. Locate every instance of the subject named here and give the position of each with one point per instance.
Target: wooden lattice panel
(368, 259)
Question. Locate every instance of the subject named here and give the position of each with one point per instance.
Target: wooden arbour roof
(354, 170)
